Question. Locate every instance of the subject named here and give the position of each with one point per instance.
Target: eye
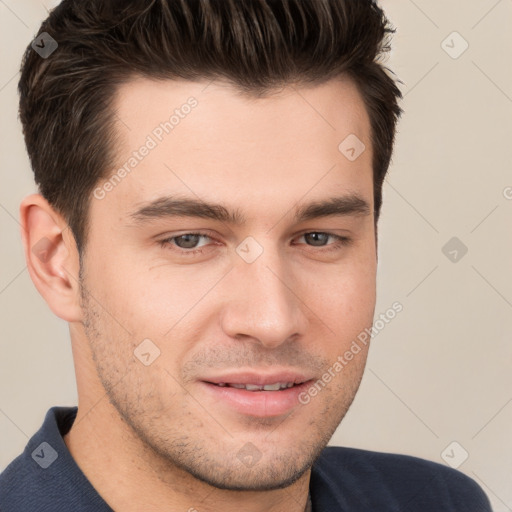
(319, 237)
(186, 243)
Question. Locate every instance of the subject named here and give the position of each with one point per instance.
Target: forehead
(206, 139)
(336, 104)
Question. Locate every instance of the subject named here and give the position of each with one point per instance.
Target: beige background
(441, 371)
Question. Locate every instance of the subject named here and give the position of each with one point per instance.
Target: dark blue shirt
(45, 478)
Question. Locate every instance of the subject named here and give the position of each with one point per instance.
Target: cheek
(349, 287)
(343, 302)
(161, 306)
(133, 295)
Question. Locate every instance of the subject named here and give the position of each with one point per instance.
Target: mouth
(256, 394)
(278, 386)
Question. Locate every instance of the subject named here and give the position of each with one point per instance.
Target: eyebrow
(169, 206)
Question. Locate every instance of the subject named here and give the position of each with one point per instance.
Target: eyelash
(342, 241)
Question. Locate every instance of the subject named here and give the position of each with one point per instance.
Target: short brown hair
(258, 45)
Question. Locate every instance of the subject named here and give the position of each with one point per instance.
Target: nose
(265, 302)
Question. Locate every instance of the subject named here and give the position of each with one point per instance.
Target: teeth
(273, 387)
(254, 387)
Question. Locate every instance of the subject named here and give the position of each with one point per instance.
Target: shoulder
(396, 482)
(44, 476)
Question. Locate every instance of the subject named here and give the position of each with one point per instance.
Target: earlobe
(51, 256)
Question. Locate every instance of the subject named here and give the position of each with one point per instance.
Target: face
(267, 282)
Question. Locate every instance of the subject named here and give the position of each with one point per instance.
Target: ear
(52, 257)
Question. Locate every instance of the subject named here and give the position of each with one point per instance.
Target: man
(210, 180)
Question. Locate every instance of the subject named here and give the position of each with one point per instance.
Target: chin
(268, 477)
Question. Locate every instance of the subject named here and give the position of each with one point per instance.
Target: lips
(258, 394)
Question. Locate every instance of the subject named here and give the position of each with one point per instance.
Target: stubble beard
(178, 450)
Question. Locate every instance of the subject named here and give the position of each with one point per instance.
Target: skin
(150, 437)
